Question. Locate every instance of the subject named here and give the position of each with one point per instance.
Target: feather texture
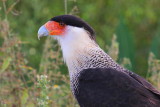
(107, 87)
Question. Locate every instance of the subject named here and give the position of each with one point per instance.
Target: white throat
(75, 43)
(81, 52)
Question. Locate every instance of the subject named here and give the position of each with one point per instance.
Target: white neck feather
(81, 52)
(75, 42)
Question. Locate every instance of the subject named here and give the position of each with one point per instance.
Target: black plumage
(97, 80)
(107, 87)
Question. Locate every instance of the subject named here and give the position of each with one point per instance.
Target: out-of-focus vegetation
(23, 58)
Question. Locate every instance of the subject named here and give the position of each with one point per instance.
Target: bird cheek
(56, 32)
(54, 28)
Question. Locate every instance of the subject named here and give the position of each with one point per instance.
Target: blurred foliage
(113, 50)
(125, 40)
(154, 70)
(43, 85)
(23, 57)
(155, 45)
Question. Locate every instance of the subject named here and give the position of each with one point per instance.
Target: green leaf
(125, 40)
(6, 63)
(30, 105)
(24, 97)
(155, 45)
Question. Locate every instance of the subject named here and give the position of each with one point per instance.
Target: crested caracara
(96, 79)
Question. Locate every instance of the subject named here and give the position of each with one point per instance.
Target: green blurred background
(136, 23)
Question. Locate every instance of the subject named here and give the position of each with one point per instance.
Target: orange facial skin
(55, 28)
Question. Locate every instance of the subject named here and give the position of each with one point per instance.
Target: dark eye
(61, 24)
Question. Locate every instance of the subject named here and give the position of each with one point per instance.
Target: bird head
(72, 33)
(61, 26)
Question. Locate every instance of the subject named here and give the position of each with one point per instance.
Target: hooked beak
(51, 28)
(42, 32)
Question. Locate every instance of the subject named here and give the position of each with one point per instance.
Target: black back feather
(107, 87)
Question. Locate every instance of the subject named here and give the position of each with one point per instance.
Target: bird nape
(96, 80)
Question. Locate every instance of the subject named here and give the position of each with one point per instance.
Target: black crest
(74, 21)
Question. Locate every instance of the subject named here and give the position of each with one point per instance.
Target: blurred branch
(74, 10)
(65, 6)
(4, 7)
(11, 7)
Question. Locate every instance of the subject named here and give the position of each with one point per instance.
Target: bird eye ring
(61, 24)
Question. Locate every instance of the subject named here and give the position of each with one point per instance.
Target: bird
(96, 80)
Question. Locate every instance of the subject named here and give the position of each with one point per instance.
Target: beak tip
(38, 38)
